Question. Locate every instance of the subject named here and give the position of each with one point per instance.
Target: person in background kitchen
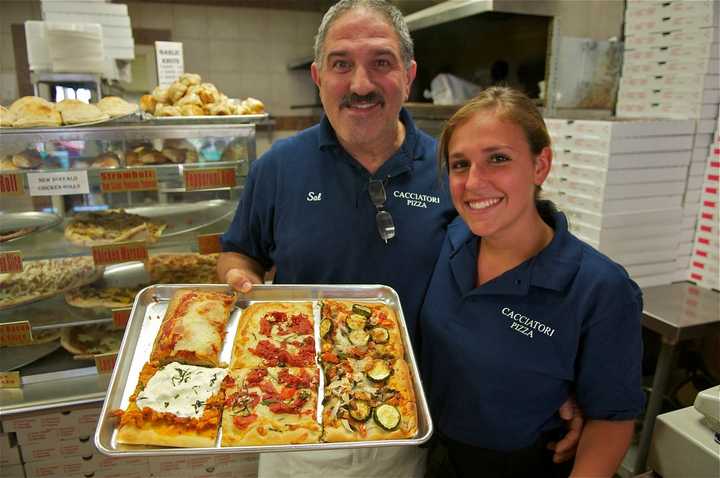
(520, 313)
(352, 200)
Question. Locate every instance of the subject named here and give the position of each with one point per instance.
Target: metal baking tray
(222, 119)
(186, 217)
(37, 220)
(146, 316)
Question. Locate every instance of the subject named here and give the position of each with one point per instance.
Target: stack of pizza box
(705, 261)
(671, 69)
(621, 184)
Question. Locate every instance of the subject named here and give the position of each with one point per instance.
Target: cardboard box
(624, 145)
(640, 270)
(654, 280)
(616, 234)
(104, 466)
(9, 455)
(698, 36)
(54, 449)
(646, 94)
(642, 257)
(624, 219)
(620, 128)
(638, 11)
(12, 471)
(55, 468)
(680, 21)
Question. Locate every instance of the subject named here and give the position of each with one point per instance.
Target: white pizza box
(54, 449)
(610, 206)
(680, 21)
(703, 140)
(654, 280)
(633, 109)
(617, 176)
(623, 233)
(683, 81)
(697, 36)
(85, 7)
(695, 95)
(687, 66)
(706, 127)
(671, 53)
(624, 145)
(12, 471)
(650, 269)
(695, 182)
(697, 169)
(699, 155)
(613, 191)
(658, 9)
(686, 234)
(707, 266)
(103, 466)
(196, 465)
(651, 243)
(624, 219)
(620, 128)
(642, 257)
(38, 436)
(688, 222)
(9, 455)
(684, 249)
(109, 20)
(39, 422)
(691, 208)
(622, 161)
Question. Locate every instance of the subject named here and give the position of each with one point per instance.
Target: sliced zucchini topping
(387, 417)
(356, 321)
(380, 335)
(361, 310)
(359, 337)
(360, 410)
(325, 327)
(379, 371)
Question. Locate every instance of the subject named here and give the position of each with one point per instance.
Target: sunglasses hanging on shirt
(383, 219)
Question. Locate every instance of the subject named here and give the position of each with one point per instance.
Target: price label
(142, 179)
(10, 380)
(121, 252)
(58, 184)
(105, 363)
(209, 243)
(11, 185)
(120, 317)
(15, 333)
(209, 178)
(10, 261)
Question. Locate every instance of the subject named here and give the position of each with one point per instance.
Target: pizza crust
(153, 434)
(261, 432)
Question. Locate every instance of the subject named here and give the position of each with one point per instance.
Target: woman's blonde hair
(507, 104)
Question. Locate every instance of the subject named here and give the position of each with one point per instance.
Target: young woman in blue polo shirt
(520, 314)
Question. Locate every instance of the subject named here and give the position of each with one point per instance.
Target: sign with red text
(209, 178)
(141, 179)
(11, 185)
(10, 380)
(209, 243)
(120, 317)
(10, 262)
(121, 252)
(15, 333)
(105, 363)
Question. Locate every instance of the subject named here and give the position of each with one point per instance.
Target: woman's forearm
(602, 446)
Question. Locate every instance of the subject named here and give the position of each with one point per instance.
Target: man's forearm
(234, 260)
(602, 446)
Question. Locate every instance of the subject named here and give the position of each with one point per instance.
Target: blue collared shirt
(307, 210)
(498, 360)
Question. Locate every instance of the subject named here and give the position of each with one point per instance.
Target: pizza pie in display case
(291, 378)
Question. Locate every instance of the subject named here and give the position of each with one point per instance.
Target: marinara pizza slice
(193, 328)
(270, 406)
(274, 334)
(368, 399)
(176, 405)
(357, 330)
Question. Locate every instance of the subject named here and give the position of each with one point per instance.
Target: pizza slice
(91, 296)
(359, 329)
(193, 328)
(271, 406)
(274, 334)
(368, 399)
(176, 405)
(110, 227)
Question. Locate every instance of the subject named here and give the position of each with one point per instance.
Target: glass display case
(88, 217)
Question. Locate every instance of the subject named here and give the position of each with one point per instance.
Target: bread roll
(37, 114)
(115, 106)
(27, 159)
(208, 93)
(189, 79)
(192, 110)
(6, 163)
(160, 94)
(253, 105)
(19, 105)
(191, 99)
(175, 155)
(167, 110)
(176, 91)
(76, 112)
(7, 117)
(147, 103)
(222, 108)
(106, 160)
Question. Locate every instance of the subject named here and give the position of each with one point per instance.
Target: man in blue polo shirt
(355, 199)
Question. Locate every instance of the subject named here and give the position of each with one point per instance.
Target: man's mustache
(353, 98)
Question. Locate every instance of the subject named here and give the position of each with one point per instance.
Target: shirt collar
(553, 268)
(411, 145)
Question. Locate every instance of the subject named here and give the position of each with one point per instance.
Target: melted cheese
(181, 389)
(199, 327)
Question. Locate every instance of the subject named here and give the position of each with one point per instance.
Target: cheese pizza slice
(274, 334)
(193, 328)
(359, 329)
(270, 406)
(368, 399)
(176, 405)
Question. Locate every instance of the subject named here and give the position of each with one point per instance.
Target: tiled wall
(244, 51)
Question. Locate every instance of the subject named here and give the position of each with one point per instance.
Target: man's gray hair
(384, 8)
